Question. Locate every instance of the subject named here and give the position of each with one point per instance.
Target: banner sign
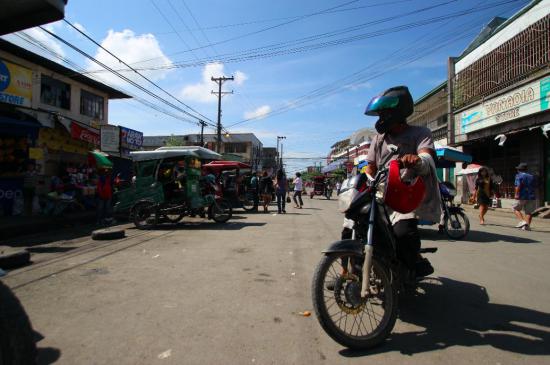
(528, 99)
(15, 84)
(84, 134)
(110, 138)
(130, 139)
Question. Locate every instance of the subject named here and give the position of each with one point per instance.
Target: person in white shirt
(298, 187)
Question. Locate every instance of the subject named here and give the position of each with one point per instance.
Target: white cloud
(359, 85)
(201, 91)
(79, 26)
(131, 48)
(39, 36)
(258, 113)
(240, 77)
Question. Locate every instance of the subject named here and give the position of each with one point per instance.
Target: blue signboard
(130, 139)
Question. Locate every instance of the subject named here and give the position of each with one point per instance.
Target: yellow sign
(36, 153)
(15, 84)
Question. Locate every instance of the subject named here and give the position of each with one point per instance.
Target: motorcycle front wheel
(350, 320)
(457, 225)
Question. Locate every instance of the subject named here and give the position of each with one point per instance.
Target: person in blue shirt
(525, 197)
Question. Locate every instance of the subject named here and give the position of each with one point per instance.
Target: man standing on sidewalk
(525, 197)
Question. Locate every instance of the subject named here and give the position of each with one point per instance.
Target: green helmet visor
(379, 103)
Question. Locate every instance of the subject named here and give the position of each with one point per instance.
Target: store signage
(15, 84)
(525, 100)
(130, 139)
(84, 134)
(110, 138)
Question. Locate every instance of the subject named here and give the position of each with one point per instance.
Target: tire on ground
(108, 234)
(15, 260)
(17, 345)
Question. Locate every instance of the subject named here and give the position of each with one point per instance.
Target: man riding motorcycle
(416, 156)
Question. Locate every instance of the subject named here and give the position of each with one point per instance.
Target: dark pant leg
(299, 193)
(279, 201)
(408, 241)
(294, 197)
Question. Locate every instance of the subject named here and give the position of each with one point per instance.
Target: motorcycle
(455, 222)
(356, 284)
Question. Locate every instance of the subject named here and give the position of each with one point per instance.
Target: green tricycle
(168, 185)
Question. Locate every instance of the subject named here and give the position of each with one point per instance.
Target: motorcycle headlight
(346, 198)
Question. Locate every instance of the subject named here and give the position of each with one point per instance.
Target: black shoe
(284, 211)
(423, 268)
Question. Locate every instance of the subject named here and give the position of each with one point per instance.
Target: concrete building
(49, 114)
(500, 90)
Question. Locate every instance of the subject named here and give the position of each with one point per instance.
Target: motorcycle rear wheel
(145, 215)
(221, 211)
(339, 317)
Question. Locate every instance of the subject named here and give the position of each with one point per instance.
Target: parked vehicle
(233, 179)
(455, 222)
(355, 286)
(321, 187)
(169, 186)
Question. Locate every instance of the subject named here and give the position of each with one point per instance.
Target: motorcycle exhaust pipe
(367, 265)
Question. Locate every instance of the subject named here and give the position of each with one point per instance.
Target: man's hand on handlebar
(409, 161)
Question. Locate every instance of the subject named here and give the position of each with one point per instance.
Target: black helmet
(396, 103)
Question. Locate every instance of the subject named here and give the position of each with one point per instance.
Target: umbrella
(100, 160)
(472, 168)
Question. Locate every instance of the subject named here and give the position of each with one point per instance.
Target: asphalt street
(199, 292)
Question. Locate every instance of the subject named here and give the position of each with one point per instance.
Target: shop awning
(332, 166)
(100, 160)
(19, 127)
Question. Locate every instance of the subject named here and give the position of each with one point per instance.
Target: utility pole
(277, 157)
(220, 93)
(203, 124)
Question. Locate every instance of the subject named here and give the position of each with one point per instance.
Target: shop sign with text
(84, 134)
(130, 139)
(15, 84)
(528, 99)
(110, 138)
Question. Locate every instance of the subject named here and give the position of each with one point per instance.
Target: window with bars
(91, 105)
(513, 61)
(235, 147)
(55, 93)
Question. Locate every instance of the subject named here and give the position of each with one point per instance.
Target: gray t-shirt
(410, 141)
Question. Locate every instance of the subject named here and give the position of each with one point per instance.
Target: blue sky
(371, 57)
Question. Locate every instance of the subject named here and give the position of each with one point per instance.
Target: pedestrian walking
(298, 187)
(104, 211)
(338, 187)
(266, 189)
(254, 188)
(525, 197)
(483, 192)
(281, 185)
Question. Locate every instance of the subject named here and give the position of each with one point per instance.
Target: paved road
(230, 294)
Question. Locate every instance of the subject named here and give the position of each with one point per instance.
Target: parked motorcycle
(455, 222)
(355, 287)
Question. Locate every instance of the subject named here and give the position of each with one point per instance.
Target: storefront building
(49, 116)
(500, 92)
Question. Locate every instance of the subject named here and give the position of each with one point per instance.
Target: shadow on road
(65, 234)
(476, 236)
(208, 226)
(54, 249)
(455, 313)
(45, 355)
